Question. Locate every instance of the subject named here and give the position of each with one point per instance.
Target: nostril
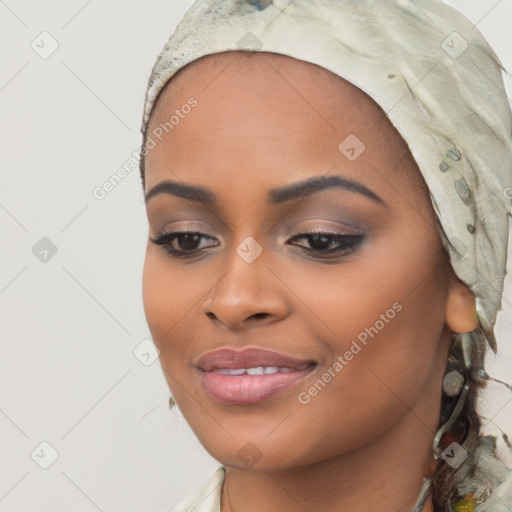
(259, 315)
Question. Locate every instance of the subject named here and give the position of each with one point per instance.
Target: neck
(386, 475)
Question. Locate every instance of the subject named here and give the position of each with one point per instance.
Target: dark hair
(465, 430)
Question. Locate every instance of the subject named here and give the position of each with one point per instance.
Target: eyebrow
(275, 195)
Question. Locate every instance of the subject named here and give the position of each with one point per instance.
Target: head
(382, 295)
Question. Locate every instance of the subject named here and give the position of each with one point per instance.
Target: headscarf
(437, 80)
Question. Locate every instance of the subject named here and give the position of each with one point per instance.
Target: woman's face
(367, 311)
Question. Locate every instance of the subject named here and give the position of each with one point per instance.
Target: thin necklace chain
(227, 493)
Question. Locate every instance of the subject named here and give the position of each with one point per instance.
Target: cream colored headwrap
(430, 70)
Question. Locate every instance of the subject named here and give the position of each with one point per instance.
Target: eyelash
(346, 242)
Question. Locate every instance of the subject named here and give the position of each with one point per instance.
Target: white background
(68, 375)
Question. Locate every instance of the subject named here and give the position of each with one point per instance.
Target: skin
(264, 121)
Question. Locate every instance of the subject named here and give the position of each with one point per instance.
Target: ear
(460, 307)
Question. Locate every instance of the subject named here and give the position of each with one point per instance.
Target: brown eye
(329, 243)
(188, 241)
(182, 244)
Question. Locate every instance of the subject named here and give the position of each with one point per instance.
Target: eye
(325, 243)
(182, 244)
(187, 244)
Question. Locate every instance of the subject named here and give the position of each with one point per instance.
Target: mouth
(251, 375)
(259, 370)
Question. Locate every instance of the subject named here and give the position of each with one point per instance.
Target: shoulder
(204, 497)
(489, 481)
(500, 499)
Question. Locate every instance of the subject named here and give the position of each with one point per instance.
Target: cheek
(165, 300)
(155, 296)
(172, 296)
(386, 313)
(399, 292)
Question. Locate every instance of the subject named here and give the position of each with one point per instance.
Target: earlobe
(461, 313)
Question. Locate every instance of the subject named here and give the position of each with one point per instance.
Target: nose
(248, 294)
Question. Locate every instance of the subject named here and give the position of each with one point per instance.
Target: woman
(326, 189)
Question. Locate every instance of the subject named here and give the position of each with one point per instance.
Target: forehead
(254, 102)
(263, 74)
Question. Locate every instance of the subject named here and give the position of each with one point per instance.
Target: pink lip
(248, 389)
(247, 358)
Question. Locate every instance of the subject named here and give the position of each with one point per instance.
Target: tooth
(230, 371)
(255, 371)
(259, 370)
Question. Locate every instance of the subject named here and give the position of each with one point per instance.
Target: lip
(247, 358)
(249, 389)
